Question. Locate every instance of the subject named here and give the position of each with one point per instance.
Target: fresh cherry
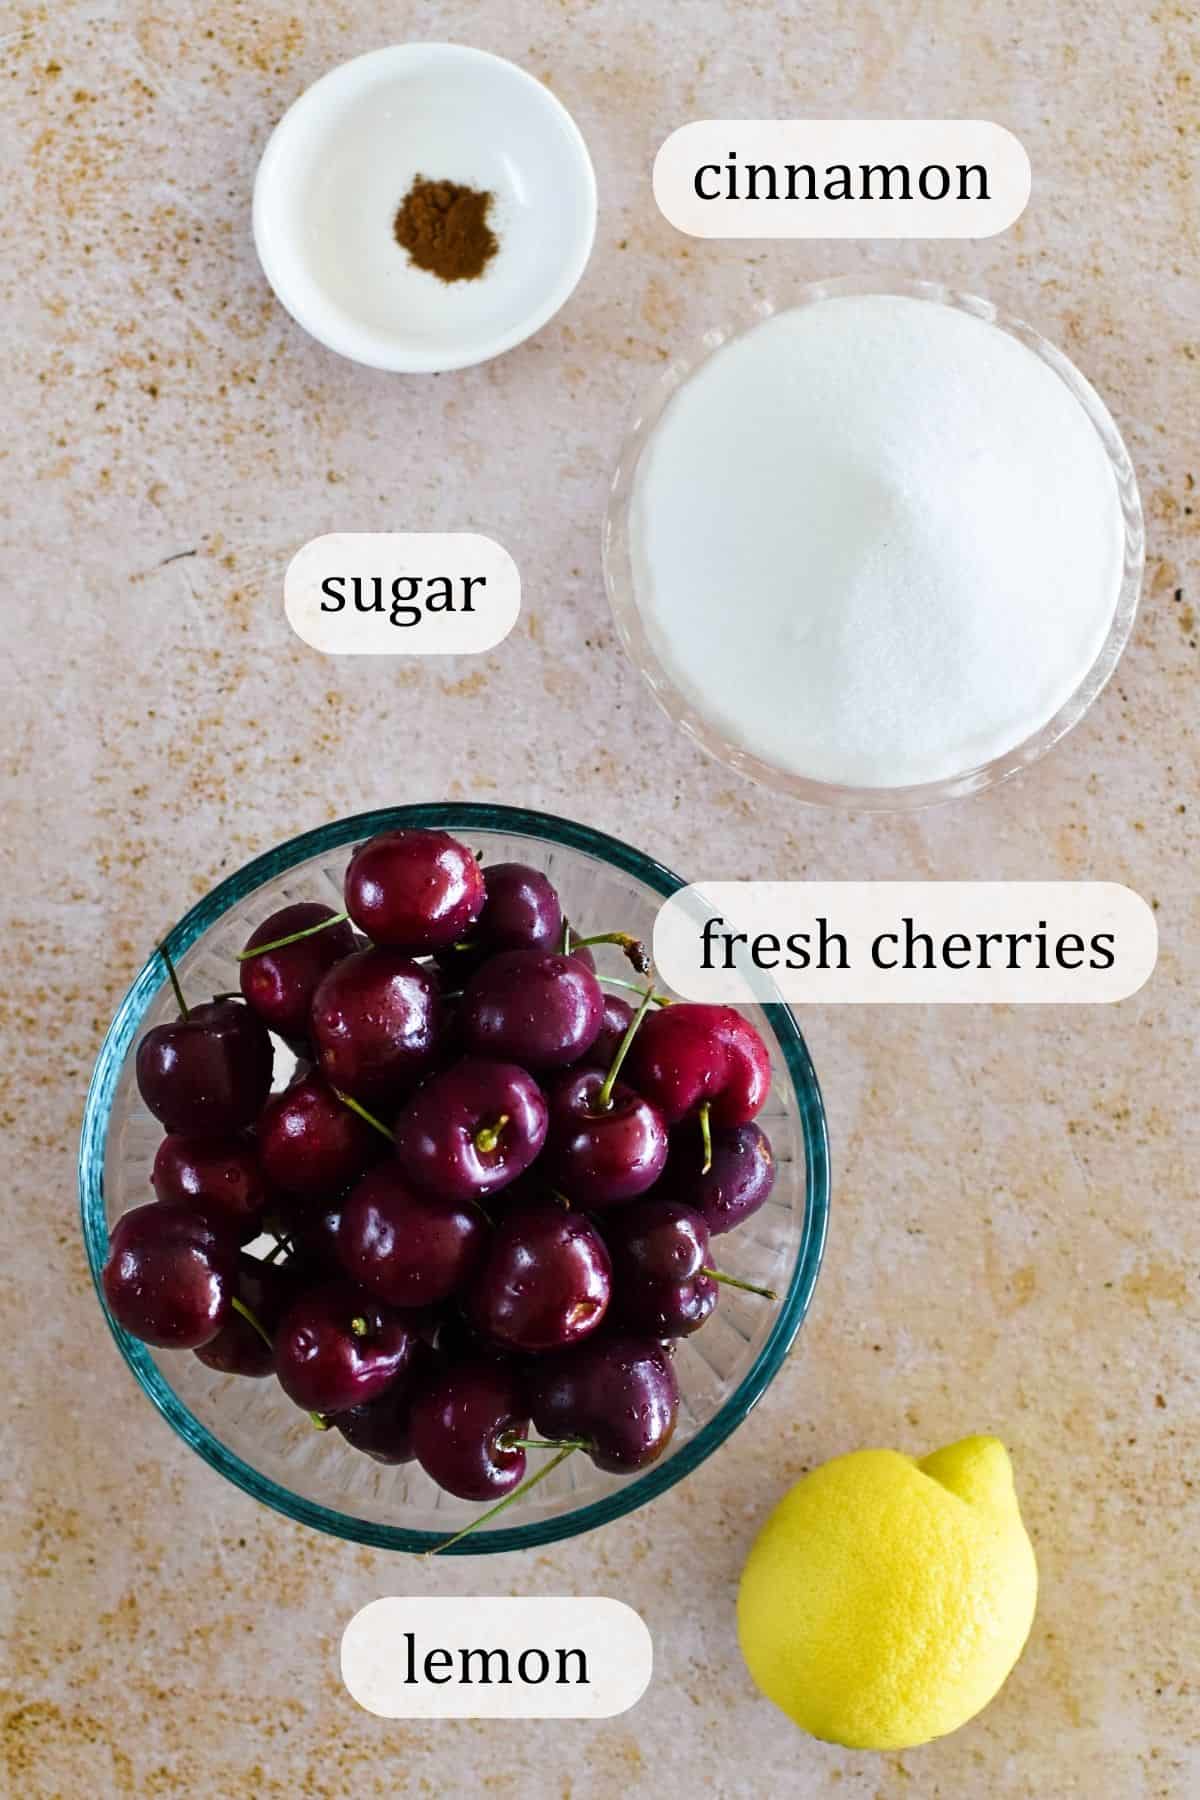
(692, 1057)
(472, 1129)
(310, 1143)
(382, 1428)
(618, 1016)
(616, 1395)
(545, 1280)
(419, 891)
(375, 1022)
(208, 1071)
(661, 1285)
(279, 984)
(662, 1277)
(411, 1247)
(312, 1225)
(600, 1153)
(521, 912)
(170, 1276)
(219, 1177)
(337, 1347)
(537, 1008)
(462, 1426)
(244, 1346)
(737, 1184)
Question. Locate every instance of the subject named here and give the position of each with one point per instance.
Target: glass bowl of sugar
(880, 549)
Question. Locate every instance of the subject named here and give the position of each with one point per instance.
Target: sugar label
(402, 593)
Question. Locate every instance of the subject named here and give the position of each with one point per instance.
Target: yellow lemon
(885, 1600)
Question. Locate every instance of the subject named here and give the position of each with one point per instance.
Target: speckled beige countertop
(1014, 1232)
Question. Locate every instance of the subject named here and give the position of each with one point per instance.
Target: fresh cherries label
(472, 1228)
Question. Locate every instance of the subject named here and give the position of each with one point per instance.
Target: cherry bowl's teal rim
(464, 817)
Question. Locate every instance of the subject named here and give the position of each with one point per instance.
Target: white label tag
(873, 943)
(497, 1658)
(402, 593)
(842, 178)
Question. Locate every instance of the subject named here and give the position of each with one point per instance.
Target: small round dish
(248, 1430)
(622, 585)
(340, 161)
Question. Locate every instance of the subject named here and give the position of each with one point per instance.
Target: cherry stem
(487, 1138)
(633, 947)
(239, 1306)
(604, 1097)
(516, 1443)
(706, 1139)
(634, 988)
(735, 1281)
(355, 1107)
(180, 1002)
(281, 1244)
(320, 1422)
(292, 938)
(359, 1326)
(492, 1511)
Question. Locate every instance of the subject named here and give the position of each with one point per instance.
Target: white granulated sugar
(876, 541)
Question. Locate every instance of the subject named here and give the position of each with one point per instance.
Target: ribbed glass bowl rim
(809, 791)
(464, 817)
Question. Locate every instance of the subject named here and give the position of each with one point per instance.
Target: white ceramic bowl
(341, 160)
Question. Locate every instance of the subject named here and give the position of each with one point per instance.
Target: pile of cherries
(490, 1185)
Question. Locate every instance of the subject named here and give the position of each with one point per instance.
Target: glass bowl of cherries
(421, 1211)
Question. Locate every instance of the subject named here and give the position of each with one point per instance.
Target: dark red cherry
(337, 1347)
(739, 1181)
(311, 1143)
(689, 1055)
(313, 1224)
(382, 1428)
(170, 1275)
(280, 984)
(618, 1016)
(462, 1424)
(600, 1155)
(537, 1008)
(521, 912)
(472, 1129)
(209, 1072)
(618, 1393)
(545, 1280)
(220, 1177)
(419, 891)
(409, 1246)
(661, 1286)
(267, 1289)
(375, 1023)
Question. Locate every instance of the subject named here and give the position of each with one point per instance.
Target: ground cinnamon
(444, 228)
